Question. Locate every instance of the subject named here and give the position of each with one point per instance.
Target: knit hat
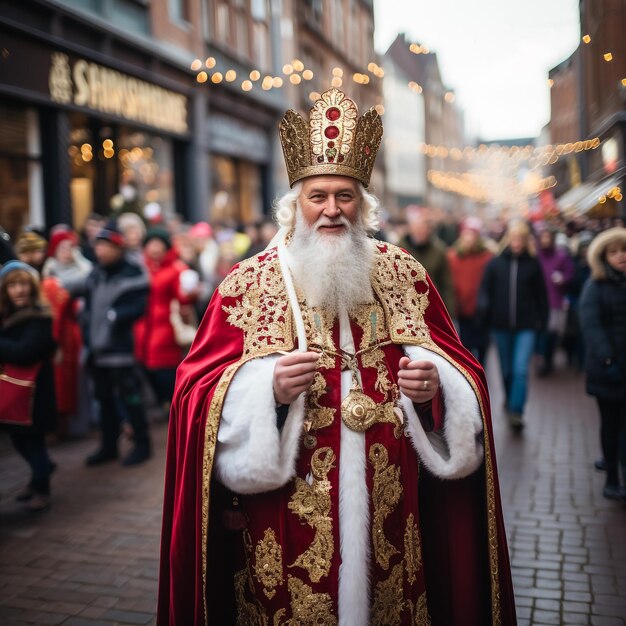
(158, 233)
(14, 266)
(473, 224)
(60, 235)
(30, 241)
(201, 230)
(111, 233)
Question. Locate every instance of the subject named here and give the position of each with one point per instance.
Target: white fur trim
(252, 455)
(354, 526)
(457, 451)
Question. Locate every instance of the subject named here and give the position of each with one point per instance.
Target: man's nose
(331, 210)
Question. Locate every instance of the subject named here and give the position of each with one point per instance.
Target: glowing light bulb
(587, 38)
(210, 62)
(295, 79)
(307, 75)
(608, 56)
(246, 85)
(217, 78)
(255, 75)
(287, 69)
(196, 64)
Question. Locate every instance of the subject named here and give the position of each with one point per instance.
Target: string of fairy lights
(473, 186)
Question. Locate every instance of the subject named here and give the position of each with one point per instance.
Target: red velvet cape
(465, 552)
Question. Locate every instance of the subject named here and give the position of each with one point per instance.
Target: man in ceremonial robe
(330, 455)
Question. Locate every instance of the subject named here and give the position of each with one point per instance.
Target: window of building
(237, 191)
(178, 10)
(130, 15)
(21, 184)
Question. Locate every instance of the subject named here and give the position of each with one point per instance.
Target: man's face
(107, 253)
(420, 228)
(324, 200)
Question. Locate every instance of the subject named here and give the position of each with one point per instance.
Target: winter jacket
(155, 344)
(115, 297)
(556, 260)
(26, 339)
(602, 313)
(513, 293)
(467, 268)
(433, 256)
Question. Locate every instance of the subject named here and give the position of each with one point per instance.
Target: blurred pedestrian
(64, 267)
(6, 249)
(26, 350)
(558, 270)
(513, 301)
(603, 323)
(115, 297)
(422, 244)
(30, 248)
(92, 226)
(156, 348)
(573, 341)
(134, 230)
(467, 259)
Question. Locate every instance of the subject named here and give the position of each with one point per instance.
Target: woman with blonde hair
(603, 322)
(27, 344)
(513, 302)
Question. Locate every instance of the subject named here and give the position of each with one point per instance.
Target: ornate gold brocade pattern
(248, 613)
(420, 614)
(268, 563)
(393, 280)
(388, 603)
(318, 326)
(308, 608)
(412, 548)
(318, 416)
(311, 503)
(261, 311)
(386, 494)
(371, 320)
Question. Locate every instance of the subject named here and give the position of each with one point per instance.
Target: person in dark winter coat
(25, 340)
(514, 302)
(115, 297)
(603, 321)
(423, 245)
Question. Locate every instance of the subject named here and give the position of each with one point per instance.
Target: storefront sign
(102, 89)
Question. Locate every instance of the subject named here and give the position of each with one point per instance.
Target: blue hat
(13, 266)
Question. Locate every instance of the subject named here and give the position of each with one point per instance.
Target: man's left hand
(418, 380)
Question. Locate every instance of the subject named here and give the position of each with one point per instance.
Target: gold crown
(335, 141)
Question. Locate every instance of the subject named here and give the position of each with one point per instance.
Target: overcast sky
(494, 53)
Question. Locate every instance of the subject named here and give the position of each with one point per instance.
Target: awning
(581, 199)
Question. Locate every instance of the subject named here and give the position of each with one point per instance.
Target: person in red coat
(156, 348)
(467, 260)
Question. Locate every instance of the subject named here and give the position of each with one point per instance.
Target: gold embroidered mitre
(335, 140)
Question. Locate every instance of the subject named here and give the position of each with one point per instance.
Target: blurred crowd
(94, 324)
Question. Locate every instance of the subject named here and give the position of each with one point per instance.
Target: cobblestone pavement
(92, 558)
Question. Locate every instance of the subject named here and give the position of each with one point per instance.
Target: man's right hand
(293, 374)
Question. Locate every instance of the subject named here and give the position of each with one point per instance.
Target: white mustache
(324, 221)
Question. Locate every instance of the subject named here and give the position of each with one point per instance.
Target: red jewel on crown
(332, 132)
(367, 150)
(333, 114)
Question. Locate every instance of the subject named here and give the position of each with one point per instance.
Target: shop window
(147, 171)
(237, 191)
(118, 169)
(21, 196)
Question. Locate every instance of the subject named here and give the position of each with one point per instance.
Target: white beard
(332, 271)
